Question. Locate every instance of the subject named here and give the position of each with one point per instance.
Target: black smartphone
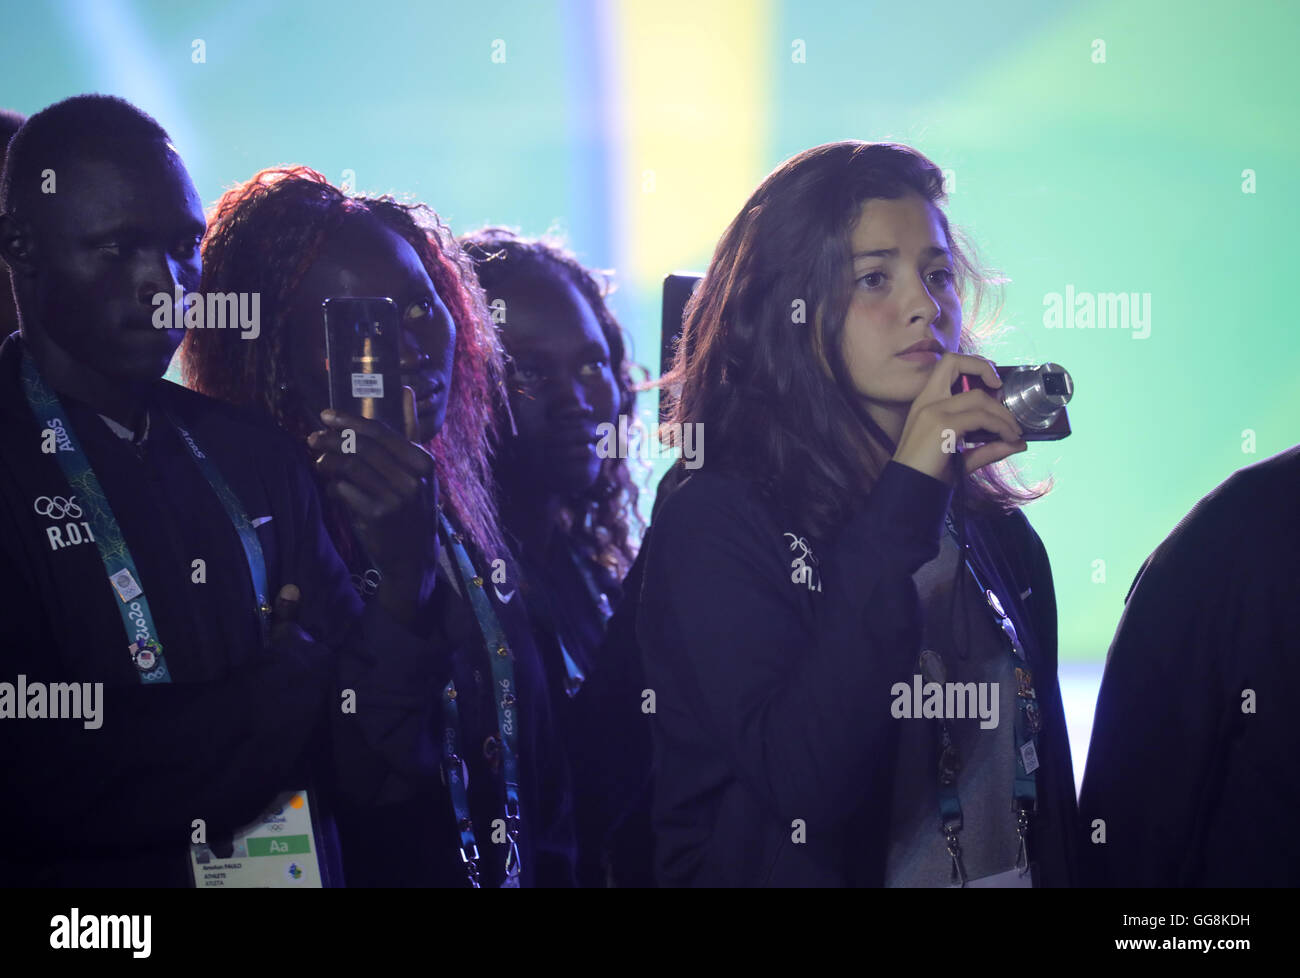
(362, 353)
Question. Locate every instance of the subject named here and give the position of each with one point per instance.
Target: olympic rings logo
(368, 583)
(57, 508)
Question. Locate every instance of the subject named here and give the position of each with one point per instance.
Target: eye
(187, 247)
(946, 277)
(595, 367)
(112, 249)
(863, 281)
(525, 373)
(422, 309)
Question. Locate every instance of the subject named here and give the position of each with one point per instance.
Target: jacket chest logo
(67, 528)
(804, 567)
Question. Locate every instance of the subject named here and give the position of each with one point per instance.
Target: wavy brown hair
(603, 520)
(263, 236)
(757, 383)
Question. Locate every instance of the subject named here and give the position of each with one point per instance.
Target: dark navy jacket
(773, 696)
(605, 734)
(1192, 766)
(114, 806)
(414, 842)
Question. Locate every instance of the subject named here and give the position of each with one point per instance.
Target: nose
(922, 307)
(569, 399)
(160, 273)
(428, 347)
(411, 356)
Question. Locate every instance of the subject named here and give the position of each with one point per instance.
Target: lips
(429, 394)
(924, 346)
(147, 331)
(146, 326)
(575, 444)
(576, 438)
(428, 388)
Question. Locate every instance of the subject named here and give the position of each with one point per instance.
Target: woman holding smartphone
(840, 557)
(497, 813)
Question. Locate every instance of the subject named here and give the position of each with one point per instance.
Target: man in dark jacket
(144, 533)
(1190, 776)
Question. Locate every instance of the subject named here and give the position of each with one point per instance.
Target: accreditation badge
(277, 850)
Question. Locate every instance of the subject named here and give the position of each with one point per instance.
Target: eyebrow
(141, 230)
(421, 294)
(540, 349)
(930, 252)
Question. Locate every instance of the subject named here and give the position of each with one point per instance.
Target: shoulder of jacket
(1010, 539)
(704, 496)
(1249, 504)
(1016, 524)
(1262, 492)
(248, 428)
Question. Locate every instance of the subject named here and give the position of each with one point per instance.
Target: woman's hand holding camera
(939, 420)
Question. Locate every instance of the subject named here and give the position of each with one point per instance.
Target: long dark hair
(754, 378)
(604, 519)
(263, 236)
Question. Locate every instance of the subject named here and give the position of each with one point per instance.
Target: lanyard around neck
(1028, 723)
(507, 707)
(598, 597)
(543, 608)
(574, 677)
(145, 646)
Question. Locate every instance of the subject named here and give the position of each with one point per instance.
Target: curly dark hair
(263, 236)
(773, 413)
(604, 520)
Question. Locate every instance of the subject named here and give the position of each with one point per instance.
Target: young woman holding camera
(838, 550)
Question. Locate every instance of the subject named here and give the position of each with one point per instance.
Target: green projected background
(1145, 148)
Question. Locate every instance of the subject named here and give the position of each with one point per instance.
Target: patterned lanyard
(1028, 723)
(504, 691)
(103, 529)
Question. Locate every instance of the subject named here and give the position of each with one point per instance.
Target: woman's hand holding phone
(939, 420)
(389, 485)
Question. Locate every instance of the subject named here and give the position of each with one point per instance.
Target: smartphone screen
(362, 351)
